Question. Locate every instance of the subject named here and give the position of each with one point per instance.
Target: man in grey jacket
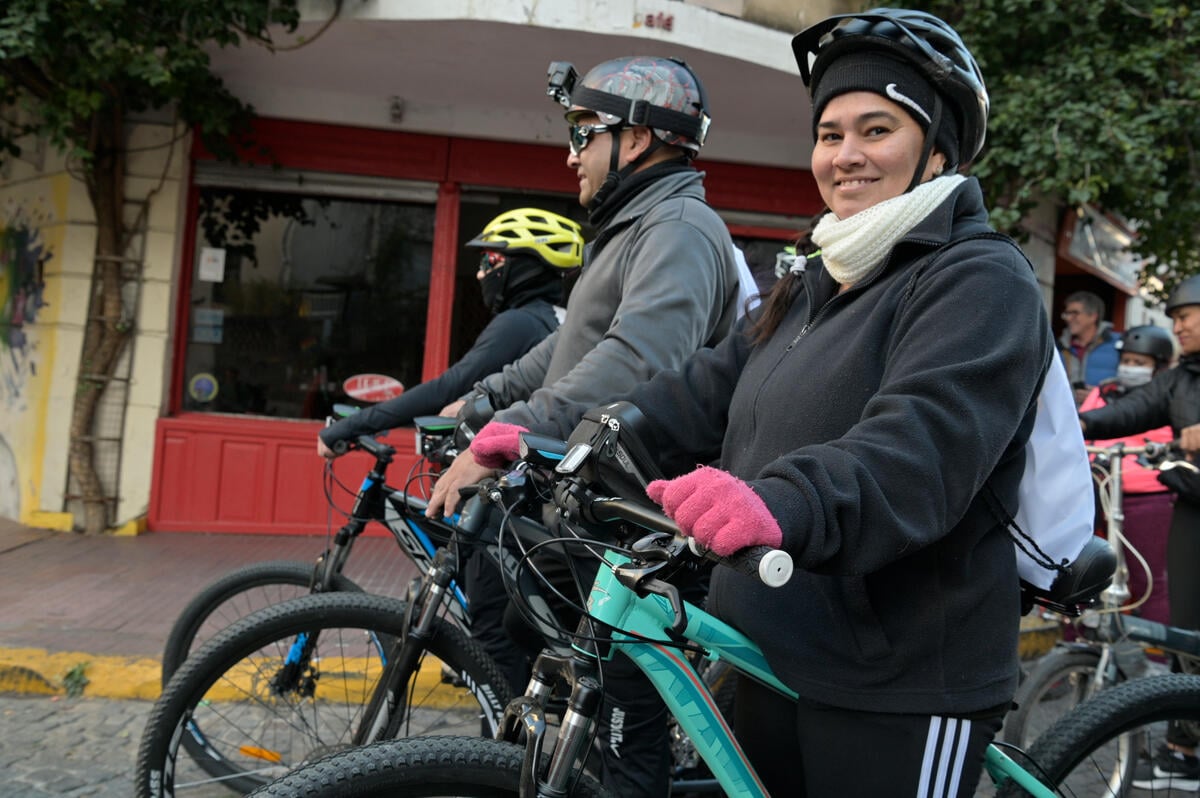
(659, 281)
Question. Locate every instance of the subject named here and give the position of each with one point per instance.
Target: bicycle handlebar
(550, 456)
(376, 449)
(1152, 454)
(1153, 449)
(772, 566)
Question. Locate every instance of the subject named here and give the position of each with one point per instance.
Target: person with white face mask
(1144, 351)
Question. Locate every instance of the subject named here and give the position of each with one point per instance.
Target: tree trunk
(106, 331)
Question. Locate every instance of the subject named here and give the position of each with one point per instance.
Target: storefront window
(292, 294)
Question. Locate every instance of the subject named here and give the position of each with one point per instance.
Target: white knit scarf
(851, 248)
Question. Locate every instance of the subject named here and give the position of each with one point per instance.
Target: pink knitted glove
(719, 510)
(495, 446)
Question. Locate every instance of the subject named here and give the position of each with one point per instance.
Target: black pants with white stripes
(815, 751)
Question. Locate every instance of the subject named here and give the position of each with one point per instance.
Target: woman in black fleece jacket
(857, 420)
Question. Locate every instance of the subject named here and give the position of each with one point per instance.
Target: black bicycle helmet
(917, 38)
(1148, 340)
(1186, 293)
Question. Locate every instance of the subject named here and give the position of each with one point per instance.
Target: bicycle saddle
(1080, 585)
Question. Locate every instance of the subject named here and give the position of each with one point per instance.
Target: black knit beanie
(898, 81)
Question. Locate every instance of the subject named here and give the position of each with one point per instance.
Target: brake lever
(671, 594)
(1184, 464)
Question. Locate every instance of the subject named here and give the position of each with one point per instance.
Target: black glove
(1182, 481)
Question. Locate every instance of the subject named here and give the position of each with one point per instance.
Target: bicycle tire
(1093, 749)
(226, 707)
(1056, 685)
(418, 768)
(235, 596)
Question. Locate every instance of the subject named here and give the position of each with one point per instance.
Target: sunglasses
(581, 136)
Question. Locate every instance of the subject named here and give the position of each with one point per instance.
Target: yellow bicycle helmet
(556, 240)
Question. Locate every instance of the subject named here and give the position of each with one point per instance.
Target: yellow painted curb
(59, 522)
(22, 680)
(107, 677)
(131, 528)
(40, 672)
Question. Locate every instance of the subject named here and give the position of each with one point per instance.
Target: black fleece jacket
(869, 423)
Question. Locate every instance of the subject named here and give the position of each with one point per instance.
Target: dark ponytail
(777, 302)
(775, 306)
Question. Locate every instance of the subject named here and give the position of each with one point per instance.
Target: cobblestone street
(55, 746)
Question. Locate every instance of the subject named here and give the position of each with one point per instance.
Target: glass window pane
(293, 294)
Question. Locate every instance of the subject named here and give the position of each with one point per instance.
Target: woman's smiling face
(866, 152)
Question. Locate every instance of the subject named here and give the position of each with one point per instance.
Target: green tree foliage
(68, 62)
(72, 72)
(1093, 102)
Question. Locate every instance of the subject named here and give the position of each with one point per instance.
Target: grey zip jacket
(659, 282)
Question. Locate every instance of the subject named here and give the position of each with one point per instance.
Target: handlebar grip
(340, 447)
(773, 567)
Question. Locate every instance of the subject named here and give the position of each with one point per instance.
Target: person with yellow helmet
(525, 254)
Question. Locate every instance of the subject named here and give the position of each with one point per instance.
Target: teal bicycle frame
(629, 616)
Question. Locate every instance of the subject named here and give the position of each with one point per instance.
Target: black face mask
(494, 268)
(492, 288)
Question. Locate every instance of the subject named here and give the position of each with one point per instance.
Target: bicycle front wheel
(1097, 748)
(290, 684)
(234, 596)
(418, 768)
(1056, 685)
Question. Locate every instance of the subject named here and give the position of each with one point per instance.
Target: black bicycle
(1110, 644)
(335, 670)
(400, 511)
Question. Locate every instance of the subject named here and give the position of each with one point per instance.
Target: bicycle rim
(233, 597)
(248, 710)
(1059, 683)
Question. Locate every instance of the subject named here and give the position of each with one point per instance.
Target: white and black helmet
(916, 38)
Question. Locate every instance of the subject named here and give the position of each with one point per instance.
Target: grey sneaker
(1169, 770)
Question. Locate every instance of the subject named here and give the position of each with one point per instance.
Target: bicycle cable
(529, 614)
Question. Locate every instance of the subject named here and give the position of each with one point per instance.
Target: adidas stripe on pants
(825, 752)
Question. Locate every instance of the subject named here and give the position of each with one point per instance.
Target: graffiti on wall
(23, 255)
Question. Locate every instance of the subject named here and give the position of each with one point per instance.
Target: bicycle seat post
(1117, 594)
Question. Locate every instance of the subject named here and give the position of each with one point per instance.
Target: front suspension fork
(525, 719)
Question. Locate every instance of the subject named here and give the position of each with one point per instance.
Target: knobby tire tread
(1109, 714)
(381, 614)
(1049, 668)
(417, 768)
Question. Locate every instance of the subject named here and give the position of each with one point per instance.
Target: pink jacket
(1134, 478)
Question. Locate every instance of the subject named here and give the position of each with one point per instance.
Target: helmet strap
(615, 174)
(930, 139)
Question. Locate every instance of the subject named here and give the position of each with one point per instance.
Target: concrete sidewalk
(103, 606)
